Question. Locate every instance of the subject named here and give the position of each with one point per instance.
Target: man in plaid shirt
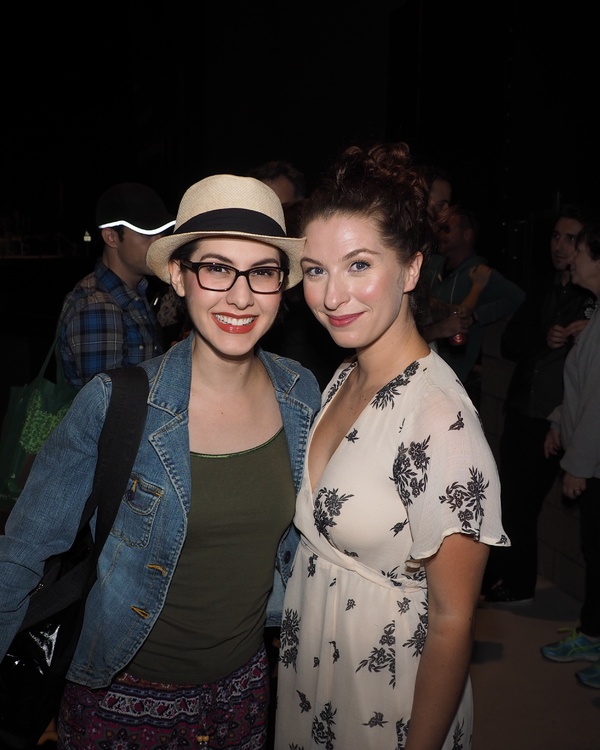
(107, 321)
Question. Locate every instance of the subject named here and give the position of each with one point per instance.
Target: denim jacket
(140, 555)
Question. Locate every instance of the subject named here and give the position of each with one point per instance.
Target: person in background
(284, 178)
(296, 333)
(538, 338)
(439, 186)
(171, 652)
(107, 321)
(575, 428)
(400, 495)
(473, 294)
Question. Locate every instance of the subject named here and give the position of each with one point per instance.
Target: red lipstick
(235, 323)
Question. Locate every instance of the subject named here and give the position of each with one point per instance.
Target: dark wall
(501, 95)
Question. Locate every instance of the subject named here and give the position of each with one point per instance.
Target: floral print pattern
(409, 471)
(290, 627)
(467, 501)
(355, 623)
(322, 728)
(328, 505)
(383, 656)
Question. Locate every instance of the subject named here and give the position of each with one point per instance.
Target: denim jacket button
(287, 556)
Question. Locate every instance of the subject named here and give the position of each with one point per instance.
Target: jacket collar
(282, 377)
(170, 376)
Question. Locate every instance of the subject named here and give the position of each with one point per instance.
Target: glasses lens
(213, 276)
(265, 280)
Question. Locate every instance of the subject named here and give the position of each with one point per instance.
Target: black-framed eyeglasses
(219, 277)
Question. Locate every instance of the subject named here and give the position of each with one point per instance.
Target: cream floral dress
(414, 468)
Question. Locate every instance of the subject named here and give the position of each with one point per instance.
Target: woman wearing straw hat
(171, 650)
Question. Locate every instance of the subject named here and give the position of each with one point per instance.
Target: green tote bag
(34, 410)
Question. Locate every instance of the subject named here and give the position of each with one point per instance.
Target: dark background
(501, 95)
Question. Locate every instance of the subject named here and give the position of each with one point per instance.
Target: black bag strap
(118, 446)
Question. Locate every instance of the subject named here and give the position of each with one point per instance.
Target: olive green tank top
(213, 619)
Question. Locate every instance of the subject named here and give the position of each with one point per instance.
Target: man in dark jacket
(538, 337)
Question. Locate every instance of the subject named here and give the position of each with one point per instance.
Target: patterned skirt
(136, 714)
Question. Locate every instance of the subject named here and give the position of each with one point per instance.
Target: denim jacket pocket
(137, 511)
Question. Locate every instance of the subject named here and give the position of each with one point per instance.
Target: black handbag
(32, 673)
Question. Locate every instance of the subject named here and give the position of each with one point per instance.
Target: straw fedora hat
(229, 206)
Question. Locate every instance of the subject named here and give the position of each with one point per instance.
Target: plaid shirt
(109, 325)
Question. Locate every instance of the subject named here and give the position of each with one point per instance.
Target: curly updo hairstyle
(380, 183)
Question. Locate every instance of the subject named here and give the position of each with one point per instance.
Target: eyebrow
(348, 256)
(208, 257)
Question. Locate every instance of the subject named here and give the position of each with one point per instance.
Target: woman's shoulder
(91, 403)
(440, 393)
(95, 394)
(425, 376)
(437, 373)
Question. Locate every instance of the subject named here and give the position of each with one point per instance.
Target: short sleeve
(451, 480)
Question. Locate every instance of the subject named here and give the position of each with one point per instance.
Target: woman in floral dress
(400, 495)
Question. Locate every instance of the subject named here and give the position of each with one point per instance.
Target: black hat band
(232, 220)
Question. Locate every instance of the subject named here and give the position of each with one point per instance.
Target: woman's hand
(572, 486)
(556, 337)
(575, 328)
(552, 444)
(480, 275)
(457, 322)
(454, 577)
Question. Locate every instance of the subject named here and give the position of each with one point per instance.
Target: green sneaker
(573, 647)
(590, 676)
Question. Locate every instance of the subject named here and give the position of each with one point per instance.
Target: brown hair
(380, 183)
